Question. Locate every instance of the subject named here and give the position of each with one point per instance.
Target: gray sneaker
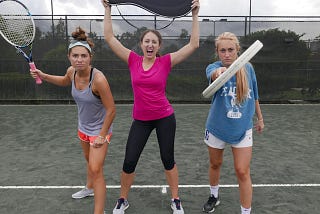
(83, 193)
(177, 207)
(121, 206)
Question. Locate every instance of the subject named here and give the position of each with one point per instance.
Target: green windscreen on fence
(287, 67)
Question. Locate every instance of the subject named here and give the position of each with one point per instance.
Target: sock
(214, 190)
(245, 210)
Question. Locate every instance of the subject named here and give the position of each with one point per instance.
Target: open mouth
(149, 52)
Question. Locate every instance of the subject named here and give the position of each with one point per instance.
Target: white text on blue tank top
(234, 108)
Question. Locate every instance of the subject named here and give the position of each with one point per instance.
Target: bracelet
(104, 139)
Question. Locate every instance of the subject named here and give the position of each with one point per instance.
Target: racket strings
(16, 24)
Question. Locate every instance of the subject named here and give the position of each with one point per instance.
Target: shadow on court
(41, 163)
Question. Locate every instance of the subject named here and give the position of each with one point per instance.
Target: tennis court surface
(41, 163)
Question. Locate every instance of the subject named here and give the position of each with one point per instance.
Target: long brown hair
(241, 75)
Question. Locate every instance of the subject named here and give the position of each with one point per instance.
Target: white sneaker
(177, 207)
(83, 193)
(121, 206)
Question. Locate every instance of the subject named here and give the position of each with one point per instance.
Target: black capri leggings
(138, 136)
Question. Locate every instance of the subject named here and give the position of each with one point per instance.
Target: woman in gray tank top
(96, 112)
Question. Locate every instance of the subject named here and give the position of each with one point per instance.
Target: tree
(207, 49)
(278, 44)
(281, 62)
(59, 31)
(184, 34)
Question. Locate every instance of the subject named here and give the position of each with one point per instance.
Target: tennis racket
(18, 29)
(166, 8)
(232, 70)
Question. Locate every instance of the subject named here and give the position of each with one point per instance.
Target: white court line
(159, 186)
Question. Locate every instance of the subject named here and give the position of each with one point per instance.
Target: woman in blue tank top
(96, 112)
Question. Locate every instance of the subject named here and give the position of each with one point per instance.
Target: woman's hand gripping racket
(17, 28)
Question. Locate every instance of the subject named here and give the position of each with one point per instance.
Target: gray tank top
(91, 112)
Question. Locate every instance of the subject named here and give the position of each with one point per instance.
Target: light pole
(90, 26)
(52, 23)
(90, 21)
(214, 25)
(250, 18)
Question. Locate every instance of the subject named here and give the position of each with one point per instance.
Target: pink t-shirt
(149, 88)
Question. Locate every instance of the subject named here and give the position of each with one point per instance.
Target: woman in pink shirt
(151, 109)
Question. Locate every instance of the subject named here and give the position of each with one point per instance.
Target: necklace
(83, 79)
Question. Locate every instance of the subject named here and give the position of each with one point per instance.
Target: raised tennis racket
(166, 8)
(18, 29)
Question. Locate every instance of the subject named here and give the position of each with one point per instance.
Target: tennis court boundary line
(160, 186)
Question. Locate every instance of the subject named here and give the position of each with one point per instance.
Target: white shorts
(215, 142)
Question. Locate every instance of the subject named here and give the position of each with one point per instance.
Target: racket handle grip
(33, 67)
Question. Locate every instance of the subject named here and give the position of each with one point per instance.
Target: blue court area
(41, 163)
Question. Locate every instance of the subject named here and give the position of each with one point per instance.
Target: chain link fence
(287, 68)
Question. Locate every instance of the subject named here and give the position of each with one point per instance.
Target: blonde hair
(241, 75)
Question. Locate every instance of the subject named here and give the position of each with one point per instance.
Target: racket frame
(29, 44)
